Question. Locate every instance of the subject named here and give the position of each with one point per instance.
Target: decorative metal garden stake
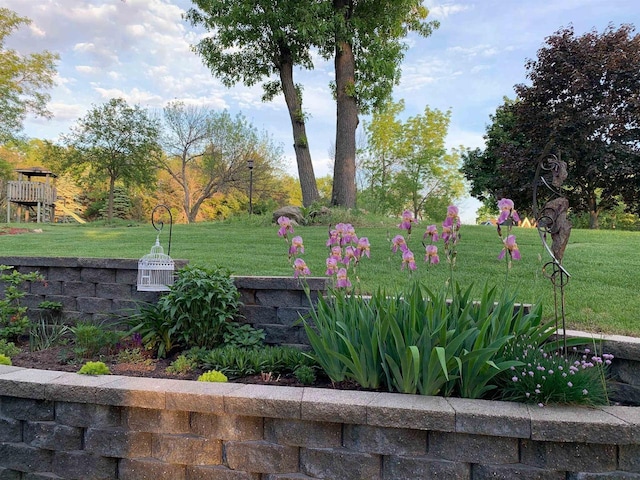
(250, 167)
(155, 270)
(552, 219)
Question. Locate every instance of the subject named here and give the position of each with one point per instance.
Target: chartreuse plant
(94, 368)
(212, 376)
(4, 360)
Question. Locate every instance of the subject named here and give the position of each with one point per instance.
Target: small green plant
(212, 376)
(89, 339)
(4, 360)
(133, 355)
(181, 365)
(305, 375)
(45, 334)
(13, 319)
(8, 348)
(243, 335)
(155, 329)
(94, 368)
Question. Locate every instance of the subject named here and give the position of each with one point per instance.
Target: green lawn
(602, 294)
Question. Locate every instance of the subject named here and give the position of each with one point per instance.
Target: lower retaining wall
(56, 425)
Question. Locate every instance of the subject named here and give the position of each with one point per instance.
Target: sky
(139, 50)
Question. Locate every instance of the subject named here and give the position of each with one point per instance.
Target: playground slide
(71, 213)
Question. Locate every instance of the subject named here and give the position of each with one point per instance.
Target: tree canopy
(24, 79)
(581, 105)
(114, 142)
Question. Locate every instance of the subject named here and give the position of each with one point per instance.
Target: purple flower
(398, 242)
(363, 247)
(296, 246)
(332, 266)
(431, 254)
(300, 268)
(506, 207)
(408, 260)
(341, 279)
(510, 246)
(350, 253)
(407, 220)
(285, 226)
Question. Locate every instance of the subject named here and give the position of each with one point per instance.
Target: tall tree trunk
(344, 169)
(300, 142)
(593, 211)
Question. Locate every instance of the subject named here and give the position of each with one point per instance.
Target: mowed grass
(602, 294)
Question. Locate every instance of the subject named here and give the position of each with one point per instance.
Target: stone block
(276, 298)
(195, 472)
(628, 371)
(40, 476)
(421, 412)
(340, 463)
(280, 334)
(134, 392)
(155, 421)
(187, 449)
(113, 290)
(290, 317)
(603, 476)
(7, 474)
(624, 393)
(31, 301)
(150, 469)
(473, 448)
(80, 465)
(64, 274)
(385, 441)
(397, 467)
(27, 409)
(126, 306)
(259, 315)
(98, 275)
(79, 289)
(205, 397)
(48, 288)
(87, 415)
(93, 304)
(515, 471)
(227, 427)
(629, 458)
(264, 401)
(343, 406)
(21, 457)
(576, 424)
(117, 442)
(68, 303)
(303, 433)
(576, 457)
(72, 387)
(127, 276)
(10, 430)
(483, 417)
(261, 457)
(52, 436)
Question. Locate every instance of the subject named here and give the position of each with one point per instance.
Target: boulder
(294, 213)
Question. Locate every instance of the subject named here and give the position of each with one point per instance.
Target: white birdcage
(155, 270)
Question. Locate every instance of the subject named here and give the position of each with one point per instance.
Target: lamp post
(250, 166)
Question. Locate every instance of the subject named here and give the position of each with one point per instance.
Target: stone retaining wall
(56, 425)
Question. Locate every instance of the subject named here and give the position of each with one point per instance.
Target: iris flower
(300, 268)
(506, 207)
(407, 220)
(398, 242)
(408, 260)
(432, 232)
(285, 226)
(332, 266)
(510, 246)
(363, 247)
(341, 279)
(431, 254)
(296, 246)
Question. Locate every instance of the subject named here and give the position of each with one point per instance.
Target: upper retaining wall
(56, 425)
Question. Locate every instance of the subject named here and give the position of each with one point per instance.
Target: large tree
(367, 48)
(581, 105)
(114, 142)
(250, 42)
(24, 79)
(207, 153)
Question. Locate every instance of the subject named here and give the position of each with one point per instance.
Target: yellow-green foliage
(212, 376)
(4, 360)
(94, 368)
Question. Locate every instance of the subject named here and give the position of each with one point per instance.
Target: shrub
(8, 348)
(4, 360)
(305, 375)
(181, 365)
(212, 376)
(94, 368)
(13, 318)
(90, 339)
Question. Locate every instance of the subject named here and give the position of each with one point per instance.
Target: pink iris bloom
(408, 260)
(407, 220)
(285, 226)
(364, 247)
(332, 266)
(341, 279)
(350, 253)
(431, 254)
(447, 232)
(336, 252)
(398, 242)
(506, 207)
(510, 246)
(300, 268)
(432, 232)
(296, 246)
(334, 238)
(452, 211)
(349, 234)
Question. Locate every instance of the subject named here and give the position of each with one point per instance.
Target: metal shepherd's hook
(160, 224)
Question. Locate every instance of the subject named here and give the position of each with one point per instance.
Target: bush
(181, 365)
(8, 349)
(305, 375)
(4, 360)
(212, 376)
(94, 368)
(13, 318)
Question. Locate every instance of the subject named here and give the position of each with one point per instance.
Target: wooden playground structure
(33, 199)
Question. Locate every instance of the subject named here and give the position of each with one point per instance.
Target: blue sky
(139, 50)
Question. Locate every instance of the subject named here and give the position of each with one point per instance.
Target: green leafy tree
(251, 41)
(24, 79)
(114, 143)
(367, 49)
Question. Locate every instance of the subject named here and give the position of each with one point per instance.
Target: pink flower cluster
(508, 216)
(345, 250)
(296, 247)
